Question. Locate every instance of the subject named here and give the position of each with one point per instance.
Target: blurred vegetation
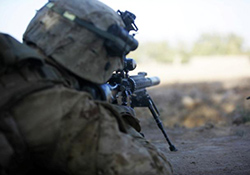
(207, 44)
(216, 44)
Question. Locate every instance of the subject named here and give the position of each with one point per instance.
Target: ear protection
(118, 41)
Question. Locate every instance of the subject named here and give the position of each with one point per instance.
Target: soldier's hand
(125, 110)
(128, 114)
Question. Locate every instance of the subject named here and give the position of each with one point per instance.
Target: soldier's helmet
(84, 36)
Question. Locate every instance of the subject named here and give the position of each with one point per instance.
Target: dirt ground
(206, 150)
(209, 123)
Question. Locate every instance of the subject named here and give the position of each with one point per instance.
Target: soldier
(51, 119)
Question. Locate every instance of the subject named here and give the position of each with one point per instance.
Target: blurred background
(199, 49)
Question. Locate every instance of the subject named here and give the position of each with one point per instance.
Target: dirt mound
(195, 104)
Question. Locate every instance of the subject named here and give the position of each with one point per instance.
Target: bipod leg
(156, 115)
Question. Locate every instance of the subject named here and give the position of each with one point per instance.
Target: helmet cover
(72, 46)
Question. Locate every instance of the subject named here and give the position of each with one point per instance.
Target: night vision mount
(129, 20)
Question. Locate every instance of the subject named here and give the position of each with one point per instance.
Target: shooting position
(53, 118)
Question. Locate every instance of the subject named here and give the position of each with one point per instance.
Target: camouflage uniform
(47, 124)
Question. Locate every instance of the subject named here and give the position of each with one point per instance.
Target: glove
(128, 114)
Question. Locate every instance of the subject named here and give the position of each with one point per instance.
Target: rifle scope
(139, 81)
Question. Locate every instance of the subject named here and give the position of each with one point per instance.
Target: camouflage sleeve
(67, 130)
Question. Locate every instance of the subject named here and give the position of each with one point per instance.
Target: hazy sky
(170, 20)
